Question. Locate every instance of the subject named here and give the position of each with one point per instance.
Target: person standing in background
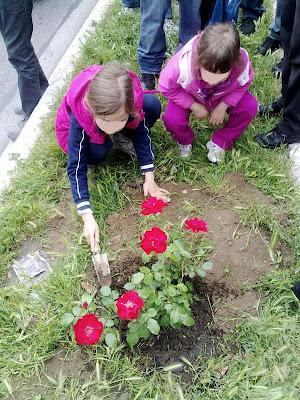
(288, 130)
(252, 11)
(16, 29)
(153, 46)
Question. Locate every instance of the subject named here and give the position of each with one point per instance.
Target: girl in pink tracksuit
(210, 76)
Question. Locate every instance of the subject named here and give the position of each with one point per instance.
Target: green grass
(266, 363)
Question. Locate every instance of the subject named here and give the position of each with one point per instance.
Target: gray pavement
(56, 23)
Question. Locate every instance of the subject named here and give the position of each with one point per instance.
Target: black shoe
(296, 290)
(271, 109)
(268, 44)
(271, 140)
(277, 69)
(148, 81)
(247, 26)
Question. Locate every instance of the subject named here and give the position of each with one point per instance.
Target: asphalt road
(56, 23)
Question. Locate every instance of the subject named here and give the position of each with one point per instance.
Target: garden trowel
(101, 266)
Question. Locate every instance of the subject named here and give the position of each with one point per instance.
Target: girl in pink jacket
(105, 106)
(210, 76)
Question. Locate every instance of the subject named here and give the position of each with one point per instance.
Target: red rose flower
(153, 206)
(88, 330)
(154, 240)
(129, 305)
(196, 225)
(85, 305)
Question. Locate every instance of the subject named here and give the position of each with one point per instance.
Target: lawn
(245, 341)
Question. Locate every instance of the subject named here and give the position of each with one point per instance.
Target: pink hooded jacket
(74, 101)
(181, 83)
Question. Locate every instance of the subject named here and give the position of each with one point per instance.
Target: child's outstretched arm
(77, 172)
(143, 147)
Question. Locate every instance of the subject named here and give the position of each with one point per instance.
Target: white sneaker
(185, 150)
(215, 153)
(126, 11)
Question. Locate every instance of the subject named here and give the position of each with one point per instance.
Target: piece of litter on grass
(223, 372)
(184, 191)
(32, 268)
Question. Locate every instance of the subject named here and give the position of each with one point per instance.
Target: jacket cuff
(147, 168)
(84, 207)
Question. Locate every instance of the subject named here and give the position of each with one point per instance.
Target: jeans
(290, 40)
(97, 153)
(16, 28)
(153, 46)
(252, 8)
(136, 4)
(276, 24)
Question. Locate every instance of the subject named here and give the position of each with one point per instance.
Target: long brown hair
(219, 48)
(110, 90)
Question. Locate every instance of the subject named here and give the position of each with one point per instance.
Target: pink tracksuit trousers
(176, 120)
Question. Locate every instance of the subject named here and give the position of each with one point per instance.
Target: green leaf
(109, 323)
(111, 339)
(86, 297)
(77, 311)
(157, 276)
(146, 257)
(115, 294)
(187, 320)
(174, 317)
(129, 286)
(132, 338)
(207, 266)
(145, 270)
(107, 301)
(153, 326)
(185, 253)
(137, 278)
(151, 312)
(172, 291)
(148, 279)
(145, 292)
(67, 319)
(143, 332)
(182, 287)
(201, 273)
(168, 307)
(105, 291)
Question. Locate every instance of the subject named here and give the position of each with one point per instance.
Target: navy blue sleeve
(77, 165)
(142, 144)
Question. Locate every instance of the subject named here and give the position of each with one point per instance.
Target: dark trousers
(97, 153)
(290, 37)
(252, 8)
(16, 29)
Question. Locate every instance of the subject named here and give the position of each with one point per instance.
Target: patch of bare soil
(55, 241)
(240, 257)
(62, 366)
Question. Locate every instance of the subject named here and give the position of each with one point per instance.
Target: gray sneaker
(185, 150)
(123, 143)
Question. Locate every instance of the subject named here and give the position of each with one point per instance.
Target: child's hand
(152, 189)
(218, 114)
(90, 230)
(199, 110)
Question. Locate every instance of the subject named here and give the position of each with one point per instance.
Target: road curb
(21, 148)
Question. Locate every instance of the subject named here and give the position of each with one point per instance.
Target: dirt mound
(240, 255)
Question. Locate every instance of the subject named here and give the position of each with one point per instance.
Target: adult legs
(252, 10)
(190, 19)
